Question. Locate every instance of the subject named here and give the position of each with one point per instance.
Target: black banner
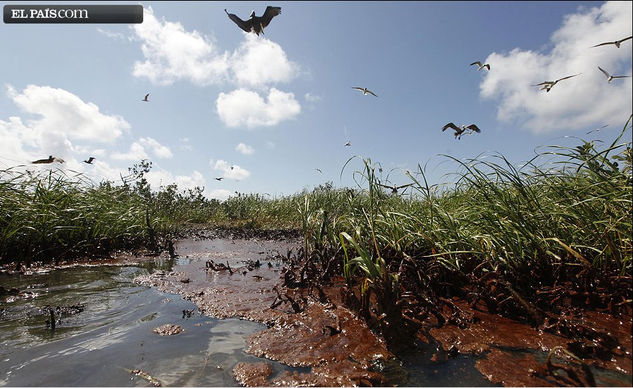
(73, 14)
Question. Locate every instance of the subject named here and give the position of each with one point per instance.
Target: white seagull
(616, 43)
(460, 131)
(481, 66)
(365, 91)
(612, 77)
(548, 85)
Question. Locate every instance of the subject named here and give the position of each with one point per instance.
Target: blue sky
(277, 106)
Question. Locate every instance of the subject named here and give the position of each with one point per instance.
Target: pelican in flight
(146, 98)
(548, 85)
(50, 159)
(464, 129)
(394, 188)
(617, 43)
(611, 77)
(481, 66)
(365, 91)
(255, 24)
(89, 161)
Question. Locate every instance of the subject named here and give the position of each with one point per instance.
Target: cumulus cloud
(577, 102)
(244, 149)
(243, 107)
(172, 53)
(157, 149)
(259, 61)
(158, 178)
(219, 194)
(138, 150)
(59, 119)
(230, 171)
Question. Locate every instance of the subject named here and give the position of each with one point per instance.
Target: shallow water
(113, 334)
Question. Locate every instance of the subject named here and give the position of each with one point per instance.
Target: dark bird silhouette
(364, 90)
(255, 24)
(394, 188)
(481, 66)
(612, 77)
(616, 43)
(459, 131)
(348, 144)
(89, 161)
(548, 85)
(219, 179)
(319, 170)
(50, 159)
(146, 98)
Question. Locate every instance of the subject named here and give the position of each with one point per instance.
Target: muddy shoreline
(234, 274)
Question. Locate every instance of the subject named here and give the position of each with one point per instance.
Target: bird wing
(622, 40)
(244, 25)
(569, 76)
(268, 15)
(621, 76)
(487, 65)
(476, 63)
(359, 88)
(147, 96)
(450, 125)
(372, 93)
(603, 44)
(474, 128)
(604, 72)
(404, 186)
(545, 83)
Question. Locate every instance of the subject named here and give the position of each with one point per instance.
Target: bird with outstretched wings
(255, 24)
(617, 43)
(459, 131)
(394, 189)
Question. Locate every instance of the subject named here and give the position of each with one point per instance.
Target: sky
(265, 112)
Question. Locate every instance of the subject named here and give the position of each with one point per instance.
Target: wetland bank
(343, 286)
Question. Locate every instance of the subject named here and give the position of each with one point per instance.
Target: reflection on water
(113, 332)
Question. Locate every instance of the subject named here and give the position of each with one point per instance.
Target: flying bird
(50, 159)
(612, 77)
(89, 161)
(255, 24)
(616, 43)
(394, 188)
(348, 144)
(365, 91)
(459, 131)
(219, 179)
(146, 98)
(481, 66)
(319, 170)
(548, 85)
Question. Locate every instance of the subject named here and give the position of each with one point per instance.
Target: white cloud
(60, 119)
(136, 152)
(230, 171)
(577, 102)
(112, 35)
(259, 61)
(158, 178)
(171, 53)
(246, 108)
(157, 149)
(219, 194)
(244, 149)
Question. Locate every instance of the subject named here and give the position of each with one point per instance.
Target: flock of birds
(256, 24)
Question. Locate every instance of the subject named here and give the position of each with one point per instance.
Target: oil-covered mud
(325, 343)
(328, 344)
